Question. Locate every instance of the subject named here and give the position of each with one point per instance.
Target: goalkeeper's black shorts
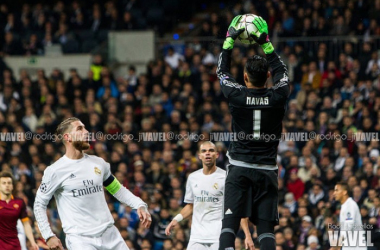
(251, 193)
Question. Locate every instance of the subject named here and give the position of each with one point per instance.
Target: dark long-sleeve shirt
(256, 113)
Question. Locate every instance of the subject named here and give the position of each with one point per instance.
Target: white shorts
(202, 246)
(109, 240)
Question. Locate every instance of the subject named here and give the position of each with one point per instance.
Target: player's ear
(246, 79)
(268, 74)
(66, 137)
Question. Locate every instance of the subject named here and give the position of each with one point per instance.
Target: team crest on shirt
(16, 206)
(97, 171)
(1, 207)
(215, 186)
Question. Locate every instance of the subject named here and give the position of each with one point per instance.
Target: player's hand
(263, 38)
(54, 243)
(233, 30)
(233, 33)
(262, 27)
(35, 246)
(248, 243)
(144, 216)
(170, 227)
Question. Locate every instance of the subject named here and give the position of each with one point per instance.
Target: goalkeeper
(251, 188)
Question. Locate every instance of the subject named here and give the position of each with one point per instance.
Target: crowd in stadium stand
(181, 93)
(80, 26)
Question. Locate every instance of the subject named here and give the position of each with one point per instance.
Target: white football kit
(206, 193)
(350, 220)
(77, 186)
(21, 234)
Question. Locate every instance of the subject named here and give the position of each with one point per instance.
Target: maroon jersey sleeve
(23, 213)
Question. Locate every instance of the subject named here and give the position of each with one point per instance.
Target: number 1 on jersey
(256, 123)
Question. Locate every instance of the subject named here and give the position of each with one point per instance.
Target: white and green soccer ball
(246, 22)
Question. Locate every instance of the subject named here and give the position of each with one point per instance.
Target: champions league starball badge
(43, 187)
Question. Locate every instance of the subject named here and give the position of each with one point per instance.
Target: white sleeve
(189, 196)
(125, 196)
(107, 170)
(21, 234)
(50, 183)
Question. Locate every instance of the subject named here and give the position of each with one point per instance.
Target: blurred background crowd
(332, 93)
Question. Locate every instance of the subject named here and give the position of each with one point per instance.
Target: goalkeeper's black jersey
(256, 113)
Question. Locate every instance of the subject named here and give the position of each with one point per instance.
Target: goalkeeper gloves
(263, 38)
(232, 33)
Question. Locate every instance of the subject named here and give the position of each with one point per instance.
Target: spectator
(295, 185)
(173, 58)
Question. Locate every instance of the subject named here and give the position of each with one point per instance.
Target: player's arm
(29, 233)
(27, 228)
(230, 87)
(50, 183)
(125, 196)
(185, 213)
(279, 71)
(350, 213)
(248, 242)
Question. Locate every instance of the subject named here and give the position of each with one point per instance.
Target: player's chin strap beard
(81, 145)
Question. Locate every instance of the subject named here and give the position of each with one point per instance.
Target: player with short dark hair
(12, 209)
(349, 218)
(257, 111)
(204, 198)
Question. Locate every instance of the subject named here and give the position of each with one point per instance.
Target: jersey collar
(12, 198)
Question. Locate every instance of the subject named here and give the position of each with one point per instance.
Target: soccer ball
(246, 22)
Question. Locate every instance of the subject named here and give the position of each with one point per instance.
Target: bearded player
(76, 180)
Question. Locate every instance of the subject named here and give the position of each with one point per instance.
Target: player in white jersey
(21, 235)
(350, 218)
(76, 180)
(204, 197)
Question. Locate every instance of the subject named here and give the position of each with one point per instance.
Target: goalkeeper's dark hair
(256, 68)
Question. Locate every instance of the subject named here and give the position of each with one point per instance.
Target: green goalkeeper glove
(232, 33)
(263, 38)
